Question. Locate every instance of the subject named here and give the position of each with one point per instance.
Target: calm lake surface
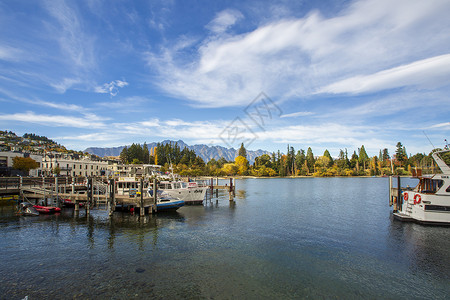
(280, 239)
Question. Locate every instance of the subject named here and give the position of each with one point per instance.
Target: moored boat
(189, 192)
(27, 209)
(165, 202)
(429, 201)
(47, 209)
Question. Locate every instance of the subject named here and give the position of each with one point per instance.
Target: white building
(73, 165)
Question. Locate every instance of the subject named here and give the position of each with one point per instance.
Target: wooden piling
(155, 197)
(141, 191)
(399, 194)
(20, 191)
(112, 192)
(390, 191)
(89, 195)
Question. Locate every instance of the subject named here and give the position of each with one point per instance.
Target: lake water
(316, 238)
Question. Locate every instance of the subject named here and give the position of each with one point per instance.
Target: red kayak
(47, 209)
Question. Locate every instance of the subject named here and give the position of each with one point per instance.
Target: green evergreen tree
(242, 152)
(124, 157)
(363, 157)
(328, 155)
(385, 155)
(400, 154)
(300, 159)
(310, 159)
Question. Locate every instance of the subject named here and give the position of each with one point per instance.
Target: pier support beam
(155, 197)
(89, 195)
(399, 194)
(141, 192)
(112, 200)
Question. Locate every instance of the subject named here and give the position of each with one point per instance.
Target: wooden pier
(90, 192)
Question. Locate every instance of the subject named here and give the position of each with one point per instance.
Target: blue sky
(320, 74)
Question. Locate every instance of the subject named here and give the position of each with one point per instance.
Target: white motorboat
(429, 201)
(189, 192)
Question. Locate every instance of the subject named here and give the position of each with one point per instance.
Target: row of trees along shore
(294, 163)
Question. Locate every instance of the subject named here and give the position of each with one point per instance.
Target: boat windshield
(429, 186)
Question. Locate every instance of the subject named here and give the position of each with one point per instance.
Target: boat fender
(405, 196)
(417, 199)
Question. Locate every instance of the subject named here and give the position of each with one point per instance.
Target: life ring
(405, 196)
(417, 199)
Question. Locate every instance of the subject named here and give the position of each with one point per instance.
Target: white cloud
(111, 88)
(10, 53)
(89, 121)
(39, 102)
(75, 43)
(292, 58)
(424, 73)
(224, 20)
(297, 114)
(65, 84)
(445, 125)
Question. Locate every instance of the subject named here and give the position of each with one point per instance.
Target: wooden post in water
(141, 191)
(89, 195)
(155, 197)
(112, 199)
(212, 188)
(217, 184)
(390, 191)
(20, 190)
(231, 190)
(399, 194)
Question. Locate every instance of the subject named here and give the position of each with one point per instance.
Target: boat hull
(189, 195)
(170, 205)
(424, 208)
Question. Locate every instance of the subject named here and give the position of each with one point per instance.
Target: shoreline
(294, 177)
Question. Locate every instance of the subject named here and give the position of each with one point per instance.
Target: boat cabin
(166, 185)
(431, 185)
(129, 186)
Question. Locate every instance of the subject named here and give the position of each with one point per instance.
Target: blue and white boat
(166, 202)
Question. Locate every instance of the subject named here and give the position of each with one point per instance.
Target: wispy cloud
(88, 121)
(431, 72)
(43, 103)
(70, 34)
(297, 114)
(8, 53)
(224, 20)
(445, 125)
(294, 57)
(111, 88)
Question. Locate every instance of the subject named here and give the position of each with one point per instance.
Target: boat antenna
(429, 140)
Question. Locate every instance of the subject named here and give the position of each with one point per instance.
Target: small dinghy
(27, 209)
(47, 209)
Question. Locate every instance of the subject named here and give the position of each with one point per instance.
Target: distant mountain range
(205, 152)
